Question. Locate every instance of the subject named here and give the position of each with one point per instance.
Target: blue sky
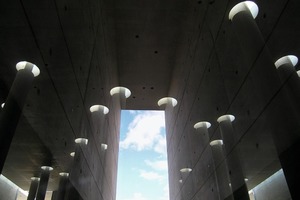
(142, 170)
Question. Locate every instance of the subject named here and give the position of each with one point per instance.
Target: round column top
(64, 174)
(244, 6)
(289, 59)
(35, 178)
(216, 142)
(226, 117)
(100, 108)
(119, 89)
(202, 124)
(81, 141)
(167, 101)
(24, 64)
(47, 168)
(186, 170)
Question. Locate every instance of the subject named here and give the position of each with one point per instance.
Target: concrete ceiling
(147, 40)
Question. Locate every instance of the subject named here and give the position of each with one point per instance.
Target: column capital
(204, 124)
(216, 143)
(99, 108)
(229, 117)
(167, 101)
(289, 60)
(29, 66)
(120, 90)
(249, 6)
(83, 141)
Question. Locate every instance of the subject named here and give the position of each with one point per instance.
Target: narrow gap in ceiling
(142, 165)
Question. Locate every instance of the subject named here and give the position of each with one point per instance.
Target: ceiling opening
(142, 166)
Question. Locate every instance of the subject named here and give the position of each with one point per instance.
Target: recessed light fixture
(231, 118)
(81, 141)
(100, 108)
(167, 101)
(120, 90)
(24, 64)
(244, 6)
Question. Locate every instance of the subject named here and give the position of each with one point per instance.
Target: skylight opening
(142, 165)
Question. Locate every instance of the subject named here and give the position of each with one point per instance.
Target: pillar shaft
(248, 35)
(32, 190)
(290, 78)
(12, 110)
(237, 181)
(221, 173)
(62, 188)
(41, 193)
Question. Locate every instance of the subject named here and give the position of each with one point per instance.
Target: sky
(142, 167)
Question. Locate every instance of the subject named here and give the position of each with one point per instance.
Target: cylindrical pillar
(44, 178)
(33, 188)
(202, 129)
(168, 104)
(247, 32)
(236, 176)
(289, 77)
(14, 103)
(221, 170)
(64, 177)
(119, 95)
(98, 113)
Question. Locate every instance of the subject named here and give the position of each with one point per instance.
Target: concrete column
(289, 77)
(14, 103)
(247, 32)
(64, 177)
(289, 157)
(33, 188)
(119, 95)
(221, 170)
(98, 117)
(236, 176)
(42, 189)
(202, 129)
(98, 113)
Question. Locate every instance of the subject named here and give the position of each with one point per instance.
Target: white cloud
(133, 112)
(144, 132)
(136, 196)
(166, 193)
(159, 165)
(151, 176)
(161, 145)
